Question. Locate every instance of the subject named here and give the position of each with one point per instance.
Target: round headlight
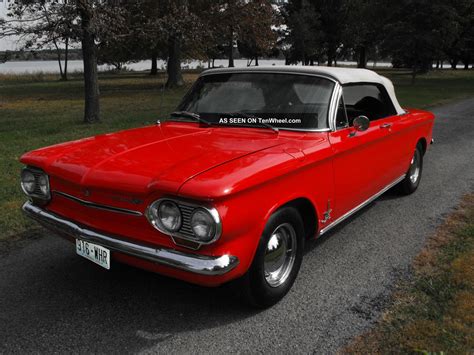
(28, 182)
(165, 216)
(169, 215)
(43, 184)
(203, 225)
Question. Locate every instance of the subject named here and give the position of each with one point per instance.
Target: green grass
(433, 313)
(434, 88)
(40, 111)
(37, 110)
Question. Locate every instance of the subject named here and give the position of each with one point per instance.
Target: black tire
(256, 286)
(413, 177)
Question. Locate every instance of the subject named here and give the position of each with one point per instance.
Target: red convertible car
(253, 163)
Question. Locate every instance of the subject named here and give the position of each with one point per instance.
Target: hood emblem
(87, 193)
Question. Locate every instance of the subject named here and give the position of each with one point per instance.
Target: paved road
(51, 300)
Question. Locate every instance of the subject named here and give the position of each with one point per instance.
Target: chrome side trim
(197, 264)
(362, 205)
(98, 206)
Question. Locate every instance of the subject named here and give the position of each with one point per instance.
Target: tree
(247, 23)
(145, 38)
(41, 24)
(303, 36)
(256, 38)
(366, 21)
(334, 15)
(87, 13)
(98, 21)
(127, 44)
(228, 15)
(318, 29)
(413, 36)
(174, 29)
(467, 52)
(5, 56)
(457, 37)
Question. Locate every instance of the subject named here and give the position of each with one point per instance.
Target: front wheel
(413, 175)
(277, 259)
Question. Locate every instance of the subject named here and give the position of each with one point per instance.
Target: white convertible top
(342, 75)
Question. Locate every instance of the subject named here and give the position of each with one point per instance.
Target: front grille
(186, 212)
(98, 206)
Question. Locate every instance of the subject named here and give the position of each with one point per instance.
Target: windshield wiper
(192, 115)
(248, 115)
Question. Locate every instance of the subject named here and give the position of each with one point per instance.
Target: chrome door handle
(386, 125)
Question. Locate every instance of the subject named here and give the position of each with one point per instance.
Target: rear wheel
(277, 260)
(413, 175)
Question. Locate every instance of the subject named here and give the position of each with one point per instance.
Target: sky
(5, 43)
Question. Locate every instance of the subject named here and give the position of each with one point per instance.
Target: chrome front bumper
(198, 264)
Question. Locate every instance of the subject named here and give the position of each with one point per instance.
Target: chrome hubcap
(280, 255)
(414, 171)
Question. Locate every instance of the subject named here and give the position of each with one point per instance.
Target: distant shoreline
(51, 66)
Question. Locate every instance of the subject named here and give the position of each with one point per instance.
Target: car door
(363, 161)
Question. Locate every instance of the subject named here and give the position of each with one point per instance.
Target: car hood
(161, 157)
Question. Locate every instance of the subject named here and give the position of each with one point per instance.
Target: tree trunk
(58, 56)
(454, 63)
(231, 48)
(375, 56)
(66, 58)
(91, 82)
(175, 77)
(330, 59)
(362, 62)
(331, 47)
(154, 64)
(256, 61)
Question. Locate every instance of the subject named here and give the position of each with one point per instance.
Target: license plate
(95, 253)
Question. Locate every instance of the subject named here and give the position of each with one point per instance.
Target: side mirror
(361, 123)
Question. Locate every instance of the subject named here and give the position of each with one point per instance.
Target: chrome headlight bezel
(41, 189)
(153, 215)
(185, 232)
(210, 223)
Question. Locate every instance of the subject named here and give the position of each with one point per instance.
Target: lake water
(77, 66)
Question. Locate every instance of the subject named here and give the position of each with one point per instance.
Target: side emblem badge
(327, 214)
(87, 193)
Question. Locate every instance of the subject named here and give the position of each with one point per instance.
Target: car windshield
(284, 101)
